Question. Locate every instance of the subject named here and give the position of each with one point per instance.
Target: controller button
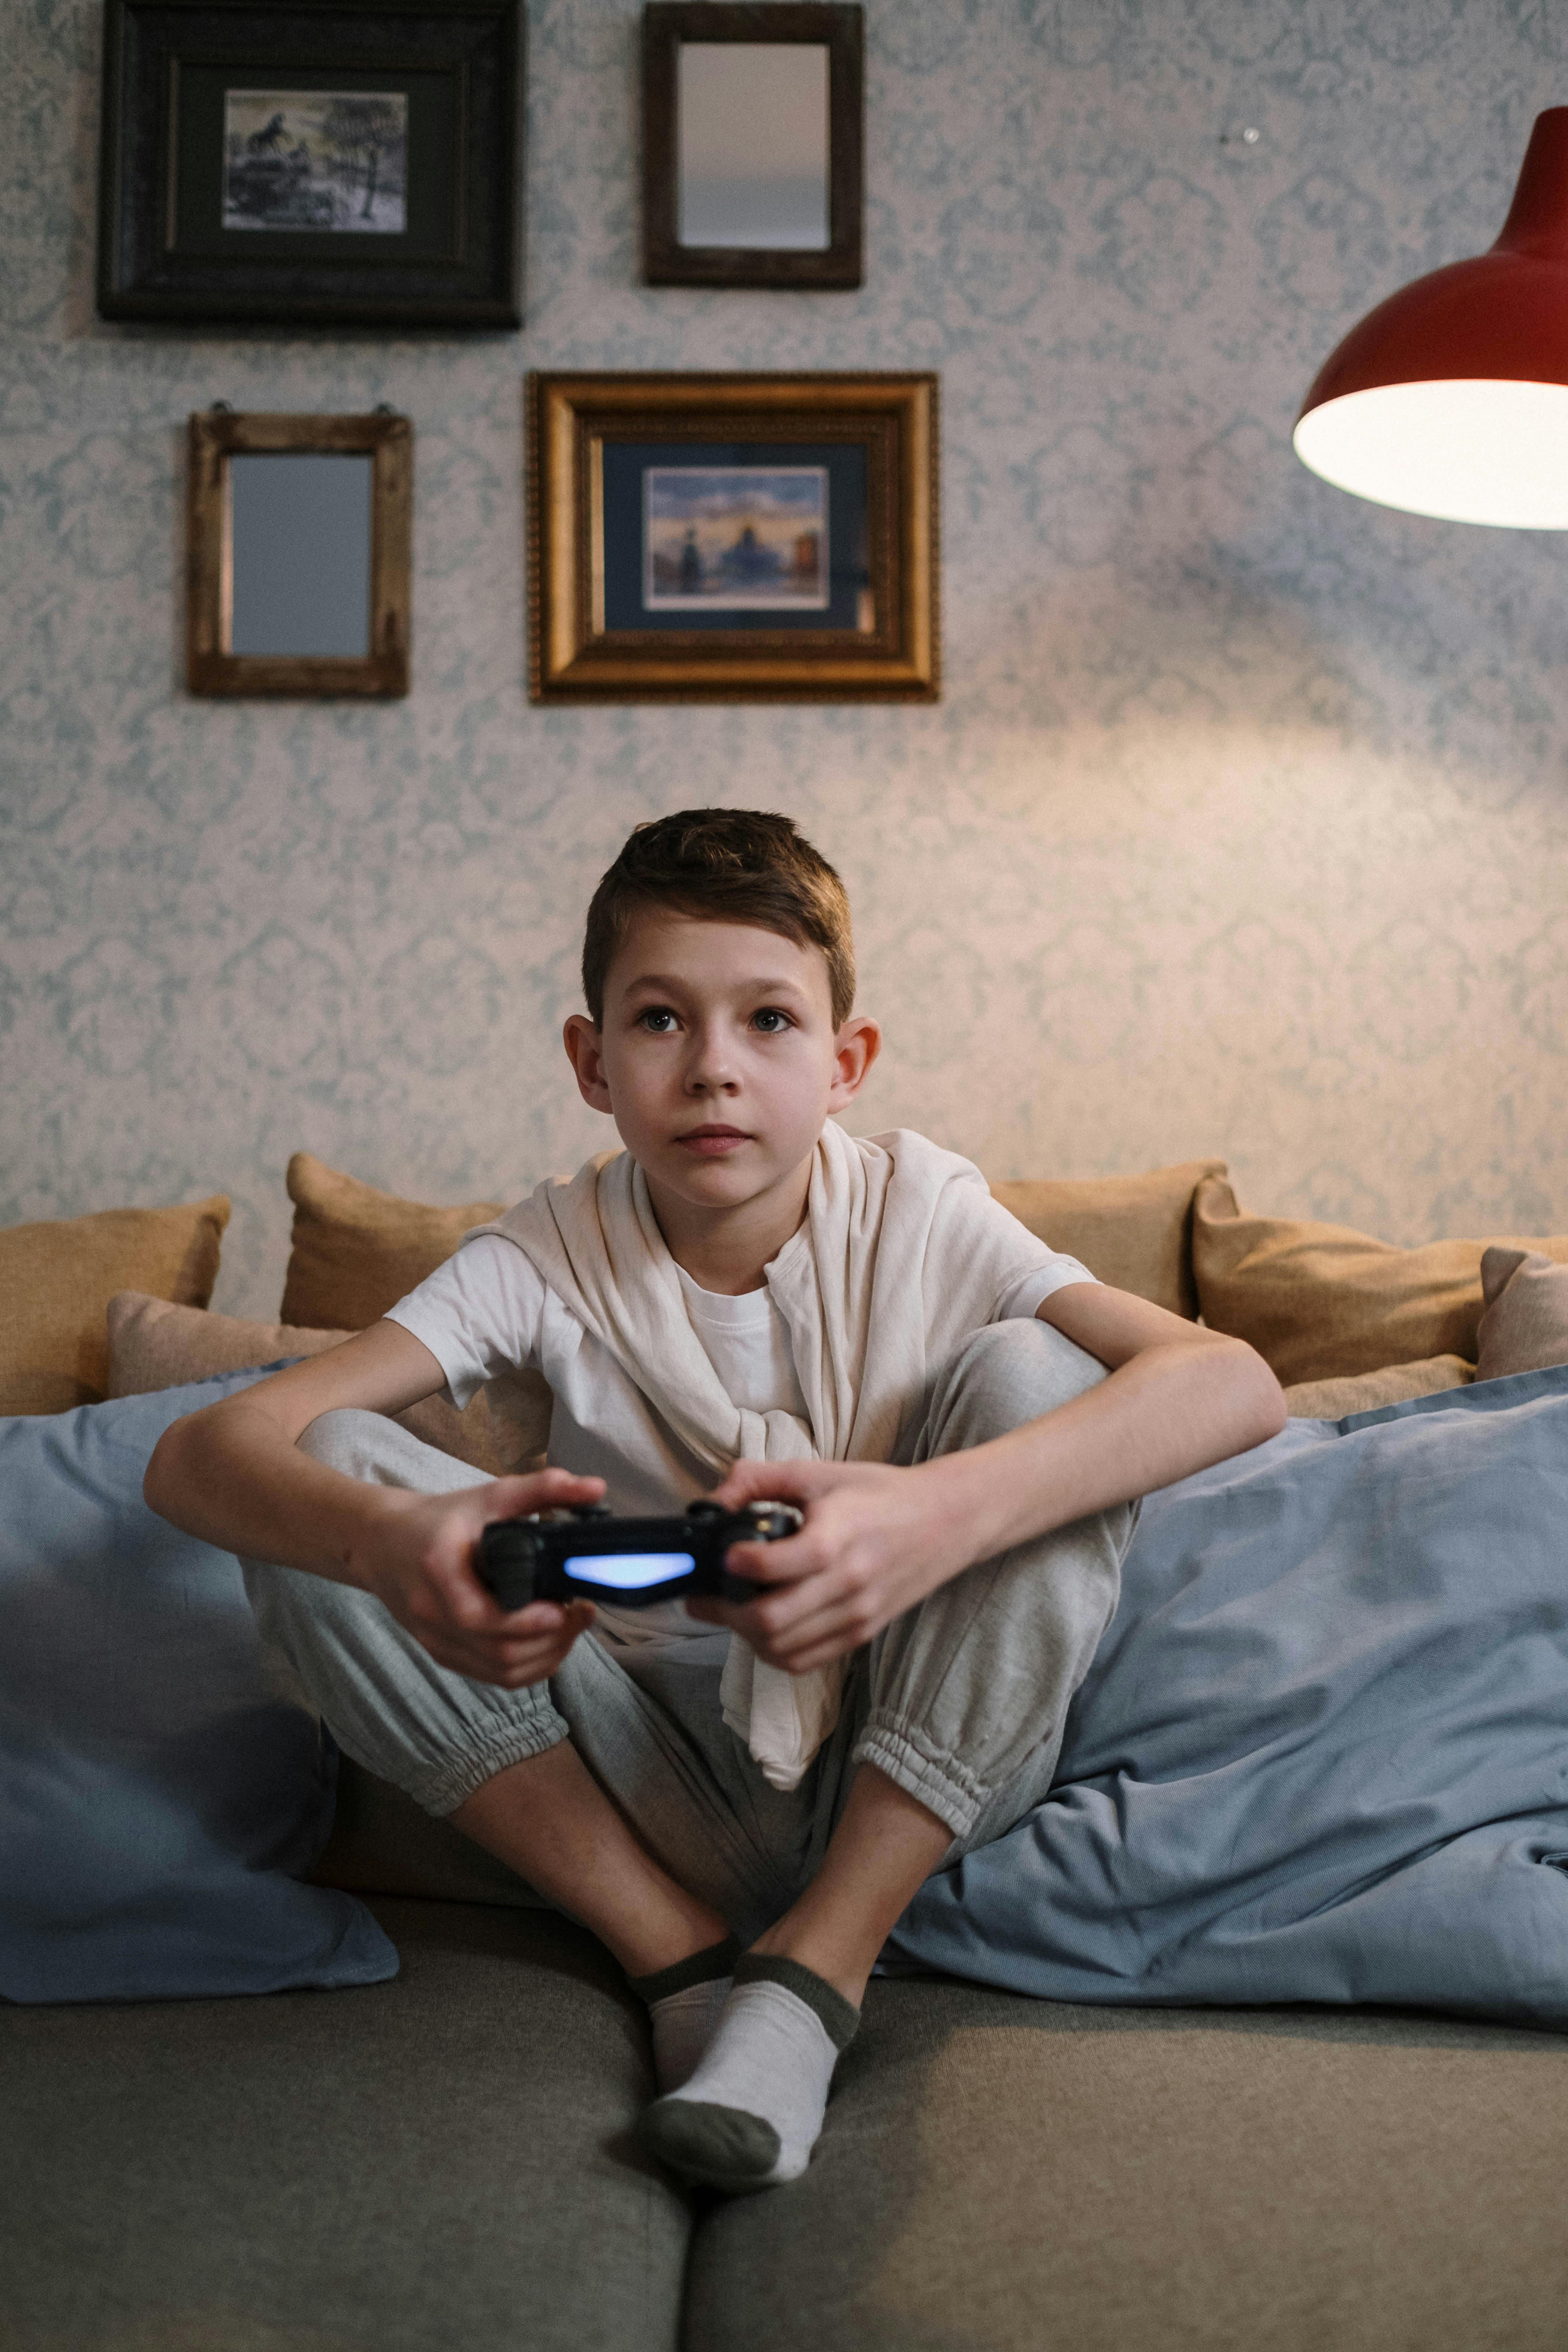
(704, 1510)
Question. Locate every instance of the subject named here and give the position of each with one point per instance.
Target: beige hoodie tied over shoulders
(902, 1254)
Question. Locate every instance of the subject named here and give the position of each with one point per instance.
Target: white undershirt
(747, 1341)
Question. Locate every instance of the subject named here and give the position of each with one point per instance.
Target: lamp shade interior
(1469, 449)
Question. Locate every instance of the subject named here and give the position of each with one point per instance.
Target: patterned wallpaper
(1241, 828)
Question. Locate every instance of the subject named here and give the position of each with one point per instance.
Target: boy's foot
(748, 2116)
(684, 2005)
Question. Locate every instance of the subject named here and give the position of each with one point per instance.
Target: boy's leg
(956, 1726)
(658, 1872)
(498, 1763)
(967, 1696)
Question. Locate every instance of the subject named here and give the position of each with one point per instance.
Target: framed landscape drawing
(327, 162)
(732, 538)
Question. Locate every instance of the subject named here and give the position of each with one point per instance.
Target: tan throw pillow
(356, 1252)
(1525, 1326)
(152, 1345)
(155, 1345)
(1319, 1302)
(56, 1280)
(1133, 1231)
(1365, 1392)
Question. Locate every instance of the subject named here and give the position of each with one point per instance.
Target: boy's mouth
(712, 1142)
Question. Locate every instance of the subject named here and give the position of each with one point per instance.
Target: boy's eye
(771, 1020)
(657, 1019)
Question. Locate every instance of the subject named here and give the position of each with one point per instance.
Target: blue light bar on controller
(630, 1572)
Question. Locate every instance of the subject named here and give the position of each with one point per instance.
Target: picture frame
(733, 538)
(322, 162)
(302, 560)
(723, 216)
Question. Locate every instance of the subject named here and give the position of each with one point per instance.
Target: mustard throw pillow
(1133, 1231)
(1319, 1302)
(356, 1251)
(57, 1279)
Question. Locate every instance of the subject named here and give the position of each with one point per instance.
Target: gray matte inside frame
(299, 540)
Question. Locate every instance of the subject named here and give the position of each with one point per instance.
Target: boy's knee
(1006, 1375)
(345, 1440)
(374, 1448)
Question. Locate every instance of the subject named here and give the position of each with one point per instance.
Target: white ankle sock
(684, 2005)
(748, 2116)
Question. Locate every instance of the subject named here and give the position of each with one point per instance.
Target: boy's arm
(878, 1539)
(232, 1473)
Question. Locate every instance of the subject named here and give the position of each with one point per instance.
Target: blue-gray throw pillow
(161, 1791)
(1321, 1754)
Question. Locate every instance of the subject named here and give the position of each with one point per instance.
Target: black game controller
(587, 1554)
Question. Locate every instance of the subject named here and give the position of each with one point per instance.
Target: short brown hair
(724, 866)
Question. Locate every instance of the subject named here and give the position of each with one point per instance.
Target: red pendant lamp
(1451, 398)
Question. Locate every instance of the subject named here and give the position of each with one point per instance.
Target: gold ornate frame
(892, 655)
(217, 434)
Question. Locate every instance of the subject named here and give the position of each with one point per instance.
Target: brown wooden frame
(217, 434)
(838, 28)
(573, 657)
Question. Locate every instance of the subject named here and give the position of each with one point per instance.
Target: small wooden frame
(217, 435)
(838, 28)
(732, 538)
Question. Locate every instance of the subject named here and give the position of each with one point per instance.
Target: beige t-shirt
(487, 1311)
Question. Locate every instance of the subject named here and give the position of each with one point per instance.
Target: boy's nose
(708, 1071)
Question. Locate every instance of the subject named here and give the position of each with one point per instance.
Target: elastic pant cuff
(443, 1790)
(934, 1778)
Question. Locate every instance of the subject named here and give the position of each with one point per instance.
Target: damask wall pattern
(1241, 828)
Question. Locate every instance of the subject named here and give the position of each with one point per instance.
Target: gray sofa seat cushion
(1005, 2175)
(442, 2161)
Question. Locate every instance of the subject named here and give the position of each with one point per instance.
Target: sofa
(444, 2158)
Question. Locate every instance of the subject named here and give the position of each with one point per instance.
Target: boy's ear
(855, 1047)
(584, 1051)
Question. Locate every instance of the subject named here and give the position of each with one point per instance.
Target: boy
(748, 1301)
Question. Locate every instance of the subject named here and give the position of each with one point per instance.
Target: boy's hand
(876, 1541)
(418, 1560)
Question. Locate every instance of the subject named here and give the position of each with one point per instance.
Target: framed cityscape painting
(329, 162)
(732, 538)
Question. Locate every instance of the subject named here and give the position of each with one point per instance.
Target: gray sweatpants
(961, 1701)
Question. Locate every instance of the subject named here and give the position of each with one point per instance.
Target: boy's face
(718, 1059)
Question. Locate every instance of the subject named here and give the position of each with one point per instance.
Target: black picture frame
(840, 29)
(199, 223)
